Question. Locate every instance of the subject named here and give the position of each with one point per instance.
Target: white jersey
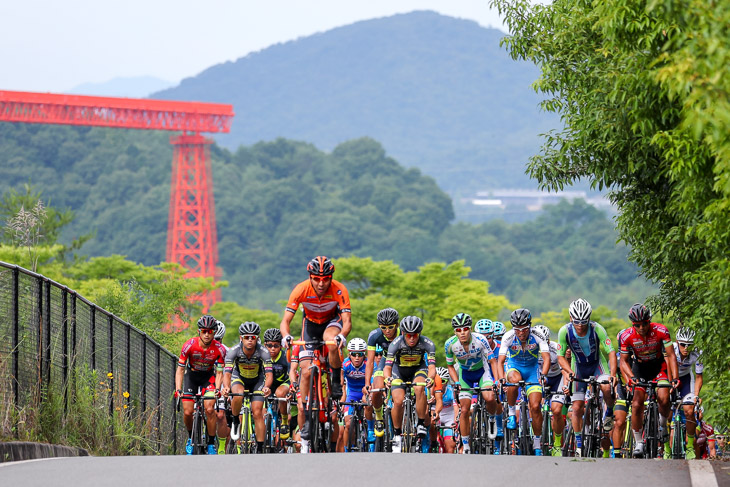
(555, 369)
(685, 365)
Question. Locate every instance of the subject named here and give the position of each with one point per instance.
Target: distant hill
(134, 87)
(439, 93)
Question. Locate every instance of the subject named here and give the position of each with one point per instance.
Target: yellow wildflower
(110, 375)
(125, 394)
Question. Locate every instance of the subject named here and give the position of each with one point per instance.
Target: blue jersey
(354, 376)
(519, 354)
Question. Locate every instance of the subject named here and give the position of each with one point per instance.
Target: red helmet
(321, 266)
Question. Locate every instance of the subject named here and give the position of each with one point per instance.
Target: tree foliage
(643, 90)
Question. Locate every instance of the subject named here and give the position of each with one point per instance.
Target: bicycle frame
(479, 441)
(316, 405)
(592, 416)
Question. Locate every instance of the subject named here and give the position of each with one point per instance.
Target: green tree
(644, 92)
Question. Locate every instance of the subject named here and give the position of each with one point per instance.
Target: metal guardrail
(50, 331)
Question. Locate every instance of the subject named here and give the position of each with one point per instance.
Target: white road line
(701, 473)
(19, 462)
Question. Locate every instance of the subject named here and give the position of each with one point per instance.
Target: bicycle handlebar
(317, 343)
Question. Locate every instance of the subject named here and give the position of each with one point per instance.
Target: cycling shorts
(315, 331)
(584, 371)
(277, 383)
(472, 379)
(652, 370)
(621, 396)
(408, 374)
(685, 385)
(192, 381)
(528, 374)
(378, 370)
(556, 384)
(352, 396)
(251, 385)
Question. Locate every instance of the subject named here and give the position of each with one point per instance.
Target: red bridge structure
(192, 240)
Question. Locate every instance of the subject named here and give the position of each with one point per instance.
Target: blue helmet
(485, 327)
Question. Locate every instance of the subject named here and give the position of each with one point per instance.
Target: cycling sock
(284, 420)
(465, 440)
(690, 442)
(662, 421)
(211, 440)
(259, 446)
(420, 422)
(536, 442)
(379, 413)
(190, 433)
(578, 441)
(236, 420)
(609, 411)
(637, 436)
(499, 421)
(333, 446)
(558, 440)
(371, 425)
(336, 374)
(513, 410)
(397, 431)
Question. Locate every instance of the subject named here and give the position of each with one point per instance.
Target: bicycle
(357, 440)
(316, 407)
(507, 447)
(651, 417)
(412, 443)
(247, 440)
(679, 429)
(272, 419)
(546, 442)
(480, 442)
(199, 436)
(592, 416)
(524, 440)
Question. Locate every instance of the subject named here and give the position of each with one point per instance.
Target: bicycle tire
(197, 433)
(364, 440)
(313, 411)
(546, 442)
(524, 427)
(245, 432)
(353, 435)
(589, 443)
(407, 427)
(678, 449)
(651, 428)
(569, 441)
(474, 439)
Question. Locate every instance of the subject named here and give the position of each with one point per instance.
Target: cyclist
(498, 332)
(477, 369)
(410, 356)
(648, 342)
(444, 416)
(690, 383)
(223, 429)
(381, 337)
(519, 351)
(593, 355)
(248, 368)
(486, 327)
(706, 447)
(327, 316)
(280, 369)
(200, 366)
(353, 376)
(554, 380)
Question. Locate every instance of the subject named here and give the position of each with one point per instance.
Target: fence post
(74, 362)
(92, 329)
(110, 320)
(159, 402)
(48, 332)
(128, 365)
(64, 313)
(144, 373)
(174, 414)
(16, 340)
(38, 318)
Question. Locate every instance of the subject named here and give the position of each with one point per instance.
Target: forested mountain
(280, 203)
(439, 93)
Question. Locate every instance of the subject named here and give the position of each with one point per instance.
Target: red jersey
(200, 359)
(320, 310)
(648, 348)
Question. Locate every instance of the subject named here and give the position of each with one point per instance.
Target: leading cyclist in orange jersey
(327, 316)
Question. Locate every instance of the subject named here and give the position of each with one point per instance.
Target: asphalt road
(359, 469)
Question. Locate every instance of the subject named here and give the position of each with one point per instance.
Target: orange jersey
(319, 310)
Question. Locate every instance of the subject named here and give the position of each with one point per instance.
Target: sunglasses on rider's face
(411, 335)
(273, 345)
(639, 324)
(250, 337)
(387, 327)
(206, 331)
(357, 354)
(320, 279)
(687, 345)
(462, 329)
(581, 322)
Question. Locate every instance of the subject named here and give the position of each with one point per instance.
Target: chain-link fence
(52, 332)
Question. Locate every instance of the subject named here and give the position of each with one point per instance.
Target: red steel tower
(191, 235)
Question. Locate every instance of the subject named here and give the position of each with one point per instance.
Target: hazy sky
(52, 45)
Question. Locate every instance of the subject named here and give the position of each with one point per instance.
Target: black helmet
(520, 317)
(387, 316)
(249, 328)
(321, 266)
(461, 320)
(639, 313)
(411, 324)
(207, 322)
(272, 335)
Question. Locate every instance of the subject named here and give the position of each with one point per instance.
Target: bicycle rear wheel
(651, 429)
(525, 440)
(546, 441)
(678, 448)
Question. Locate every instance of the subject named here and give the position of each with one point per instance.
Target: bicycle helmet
(520, 318)
(249, 328)
(580, 310)
(443, 372)
(357, 345)
(207, 322)
(485, 327)
(685, 335)
(411, 324)
(220, 330)
(378, 350)
(542, 331)
(639, 313)
(320, 266)
(499, 329)
(387, 316)
(273, 335)
(461, 320)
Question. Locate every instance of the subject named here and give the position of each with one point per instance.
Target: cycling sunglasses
(320, 278)
(273, 345)
(250, 337)
(387, 327)
(639, 324)
(688, 345)
(411, 335)
(207, 331)
(581, 322)
(357, 354)
(462, 329)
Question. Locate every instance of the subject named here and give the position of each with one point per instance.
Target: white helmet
(357, 345)
(220, 330)
(685, 335)
(580, 309)
(542, 331)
